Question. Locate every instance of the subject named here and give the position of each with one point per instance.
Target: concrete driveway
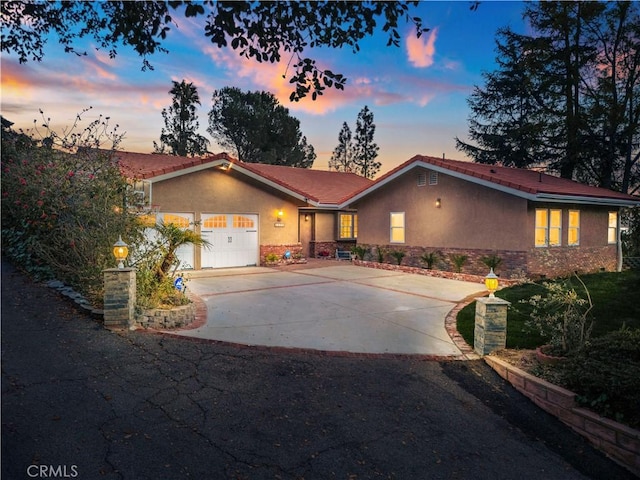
(331, 307)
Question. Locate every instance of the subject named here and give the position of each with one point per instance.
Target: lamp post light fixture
(120, 251)
(491, 282)
(438, 203)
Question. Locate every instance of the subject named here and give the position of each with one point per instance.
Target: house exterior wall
(216, 191)
(470, 216)
(478, 221)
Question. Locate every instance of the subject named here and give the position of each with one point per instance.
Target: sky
(417, 92)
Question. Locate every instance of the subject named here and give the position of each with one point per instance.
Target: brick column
(491, 325)
(119, 297)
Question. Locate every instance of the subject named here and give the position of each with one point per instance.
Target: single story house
(538, 224)
(245, 210)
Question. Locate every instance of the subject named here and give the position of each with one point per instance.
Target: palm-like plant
(173, 237)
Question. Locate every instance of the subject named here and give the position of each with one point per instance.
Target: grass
(615, 303)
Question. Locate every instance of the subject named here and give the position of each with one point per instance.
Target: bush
(430, 259)
(562, 315)
(492, 261)
(398, 255)
(458, 261)
(605, 374)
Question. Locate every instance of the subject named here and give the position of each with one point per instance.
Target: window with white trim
(347, 226)
(612, 231)
(422, 179)
(396, 220)
(573, 232)
(548, 229)
(433, 178)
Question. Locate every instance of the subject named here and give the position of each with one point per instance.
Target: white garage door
(184, 253)
(233, 239)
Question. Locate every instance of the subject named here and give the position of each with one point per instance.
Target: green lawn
(615, 296)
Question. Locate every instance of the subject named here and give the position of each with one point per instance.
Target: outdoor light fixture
(438, 203)
(491, 282)
(120, 251)
(306, 217)
(280, 214)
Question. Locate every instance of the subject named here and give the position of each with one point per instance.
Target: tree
(262, 31)
(567, 97)
(258, 129)
(342, 156)
(181, 123)
(365, 149)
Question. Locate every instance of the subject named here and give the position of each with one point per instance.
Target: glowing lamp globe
(120, 251)
(491, 282)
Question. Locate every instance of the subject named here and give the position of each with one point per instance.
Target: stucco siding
(469, 215)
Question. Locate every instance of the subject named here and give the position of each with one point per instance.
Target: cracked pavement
(136, 405)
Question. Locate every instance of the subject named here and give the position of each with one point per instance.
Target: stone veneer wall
(558, 261)
(159, 318)
(119, 297)
(536, 263)
(331, 247)
(618, 441)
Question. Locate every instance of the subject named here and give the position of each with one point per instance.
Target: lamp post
(491, 282)
(120, 251)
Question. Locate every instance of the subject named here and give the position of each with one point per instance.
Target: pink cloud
(420, 51)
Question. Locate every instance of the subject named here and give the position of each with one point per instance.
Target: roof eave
(578, 199)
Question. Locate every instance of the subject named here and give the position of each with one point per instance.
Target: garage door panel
(233, 238)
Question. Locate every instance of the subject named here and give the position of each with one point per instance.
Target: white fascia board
(540, 197)
(186, 171)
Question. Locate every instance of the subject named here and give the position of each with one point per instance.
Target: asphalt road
(81, 402)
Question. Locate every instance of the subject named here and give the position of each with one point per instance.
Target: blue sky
(417, 93)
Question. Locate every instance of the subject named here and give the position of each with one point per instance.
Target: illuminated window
(347, 225)
(612, 232)
(219, 221)
(177, 220)
(397, 227)
(148, 221)
(242, 222)
(573, 237)
(548, 230)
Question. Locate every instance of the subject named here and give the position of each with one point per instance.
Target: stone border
(619, 442)
(161, 318)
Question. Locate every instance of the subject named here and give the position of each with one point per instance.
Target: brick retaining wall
(618, 441)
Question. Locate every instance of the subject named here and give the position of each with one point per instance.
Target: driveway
(330, 307)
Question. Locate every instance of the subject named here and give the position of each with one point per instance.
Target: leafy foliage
(458, 260)
(342, 157)
(180, 132)
(491, 261)
(605, 374)
(398, 255)
(62, 211)
(430, 258)
(262, 31)
(566, 97)
(357, 153)
(562, 315)
(258, 129)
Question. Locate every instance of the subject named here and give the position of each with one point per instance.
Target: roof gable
(316, 187)
(530, 184)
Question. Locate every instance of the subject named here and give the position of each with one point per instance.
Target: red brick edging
(619, 442)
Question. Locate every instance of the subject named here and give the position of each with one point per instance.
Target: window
(548, 230)
(177, 220)
(433, 178)
(347, 225)
(242, 222)
(612, 232)
(397, 227)
(573, 237)
(218, 221)
(422, 179)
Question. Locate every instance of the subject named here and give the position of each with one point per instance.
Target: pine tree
(365, 149)
(181, 123)
(342, 157)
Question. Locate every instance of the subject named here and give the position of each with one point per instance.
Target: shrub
(458, 261)
(271, 257)
(381, 253)
(359, 251)
(430, 259)
(491, 261)
(562, 315)
(398, 255)
(605, 374)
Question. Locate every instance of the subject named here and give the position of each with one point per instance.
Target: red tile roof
(143, 166)
(320, 187)
(531, 183)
